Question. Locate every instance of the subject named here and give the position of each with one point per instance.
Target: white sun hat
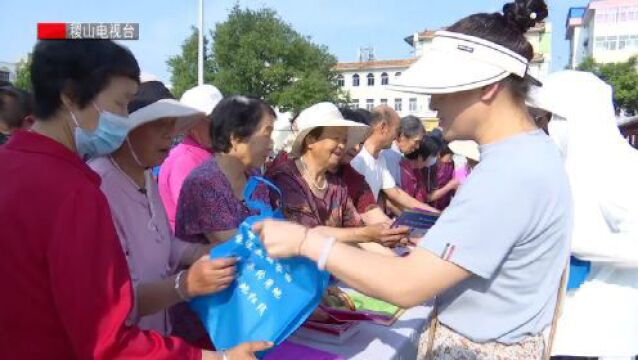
(325, 114)
(154, 101)
(458, 62)
(202, 97)
(466, 148)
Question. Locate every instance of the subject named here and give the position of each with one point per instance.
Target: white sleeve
(387, 180)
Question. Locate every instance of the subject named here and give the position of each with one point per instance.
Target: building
(7, 71)
(365, 81)
(606, 30)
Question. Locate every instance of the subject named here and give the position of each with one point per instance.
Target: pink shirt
(151, 251)
(182, 159)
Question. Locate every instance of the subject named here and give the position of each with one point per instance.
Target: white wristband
(224, 356)
(328, 244)
(178, 286)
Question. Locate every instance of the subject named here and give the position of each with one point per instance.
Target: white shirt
(374, 170)
(393, 157)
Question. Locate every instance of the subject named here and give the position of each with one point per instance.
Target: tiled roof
(380, 64)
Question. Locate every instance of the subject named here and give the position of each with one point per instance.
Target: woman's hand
(386, 235)
(282, 239)
(245, 351)
(208, 276)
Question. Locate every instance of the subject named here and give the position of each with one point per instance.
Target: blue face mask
(107, 137)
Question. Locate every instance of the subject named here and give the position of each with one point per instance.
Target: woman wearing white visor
(495, 257)
(600, 313)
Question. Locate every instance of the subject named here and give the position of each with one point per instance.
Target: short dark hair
(411, 126)
(361, 116)
(148, 93)
(81, 69)
(15, 105)
(508, 29)
(236, 116)
(429, 146)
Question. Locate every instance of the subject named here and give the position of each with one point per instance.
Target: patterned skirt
(449, 345)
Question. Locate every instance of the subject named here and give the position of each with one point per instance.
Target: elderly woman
(411, 133)
(211, 205)
(73, 279)
(152, 253)
(312, 194)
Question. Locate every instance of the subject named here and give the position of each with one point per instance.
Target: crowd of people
(101, 257)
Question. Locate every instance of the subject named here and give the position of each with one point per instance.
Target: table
(372, 342)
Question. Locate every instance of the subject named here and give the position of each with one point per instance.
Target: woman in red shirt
(70, 289)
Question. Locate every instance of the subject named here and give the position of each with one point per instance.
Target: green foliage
(23, 74)
(183, 67)
(256, 53)
(623, 77)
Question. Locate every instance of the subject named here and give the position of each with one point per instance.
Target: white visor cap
(458, 62)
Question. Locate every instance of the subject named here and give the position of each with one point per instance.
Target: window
(369, 104)
(613, 42)
(607, 15)
(4, 75)
(354, 104)
(341, 81)
(397, 74)
(384, 79)
(355, 80)
(384, 102)
(412, 104)
(622, 14)
(623, 42)
(370, 79)
(398, 106)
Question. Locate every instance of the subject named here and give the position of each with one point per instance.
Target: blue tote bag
(270, 298)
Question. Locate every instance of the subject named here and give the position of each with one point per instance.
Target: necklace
(140, 189)
(304, 167)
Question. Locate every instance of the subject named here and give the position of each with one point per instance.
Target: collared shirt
(68, 290)
(182, 159)
(152, 253)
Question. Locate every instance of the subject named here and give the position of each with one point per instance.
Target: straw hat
(324, 115)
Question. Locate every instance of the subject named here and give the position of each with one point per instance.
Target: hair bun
(524, 14)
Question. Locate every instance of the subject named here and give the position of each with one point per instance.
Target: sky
(342, 25)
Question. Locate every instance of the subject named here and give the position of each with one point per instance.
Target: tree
(183, 67)
(23, 74)
(256, 53)
(623, 77)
